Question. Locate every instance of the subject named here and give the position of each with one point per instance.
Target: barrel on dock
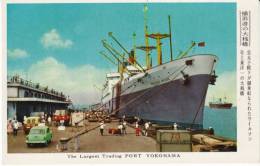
(64, 143)
(173, 141)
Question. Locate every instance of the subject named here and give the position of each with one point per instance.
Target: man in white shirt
(102, 126)
(175, 126)
(124, 127)
(146, 127)
(120, 127)
(49, 120)
(15, 128)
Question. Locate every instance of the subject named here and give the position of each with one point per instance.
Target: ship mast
(170, 33)
(134, 47)
(147, 54)
(146, 48)
(158, 38)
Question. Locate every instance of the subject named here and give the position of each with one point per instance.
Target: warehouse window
(26, 94)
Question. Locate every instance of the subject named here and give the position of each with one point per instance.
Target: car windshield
(62, 112)
(57, 112)
(37, 131)
(35, 114)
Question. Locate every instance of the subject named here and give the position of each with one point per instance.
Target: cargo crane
(193, 44)
(130, 54)
(114, 53)
(107, 57)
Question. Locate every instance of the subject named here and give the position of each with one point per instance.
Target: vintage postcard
(130, 81)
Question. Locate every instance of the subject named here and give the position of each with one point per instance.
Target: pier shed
(24, 97)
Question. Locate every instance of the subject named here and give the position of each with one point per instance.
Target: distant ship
(220, 104)
(172, 91)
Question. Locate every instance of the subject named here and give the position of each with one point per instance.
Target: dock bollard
(64, 144)
(76, 143)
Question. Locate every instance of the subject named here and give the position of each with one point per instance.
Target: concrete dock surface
(89, 142)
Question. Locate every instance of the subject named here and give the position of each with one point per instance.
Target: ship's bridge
(111, 80)
(113, 76)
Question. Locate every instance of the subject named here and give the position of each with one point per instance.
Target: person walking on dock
(15, 127)
(120, 128)
(24, 119)
(9, 127)
(137, 130)
(102, 126)
(175, 126)
(49, 120)
(124, 127)
(146, 127)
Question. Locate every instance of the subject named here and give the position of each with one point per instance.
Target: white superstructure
(112, 79)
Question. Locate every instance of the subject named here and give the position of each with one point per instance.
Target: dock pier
(92, 141)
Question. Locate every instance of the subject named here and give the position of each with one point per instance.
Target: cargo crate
(173, 141)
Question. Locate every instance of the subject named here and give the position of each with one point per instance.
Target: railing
(17, 80)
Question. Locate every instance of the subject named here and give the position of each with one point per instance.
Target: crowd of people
(122, 127)
(12, 127)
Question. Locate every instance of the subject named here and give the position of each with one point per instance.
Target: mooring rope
(146, 91)
(199, 108)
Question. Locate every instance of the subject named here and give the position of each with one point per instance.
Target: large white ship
(173, 91)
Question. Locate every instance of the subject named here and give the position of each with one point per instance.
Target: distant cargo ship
(220, 104)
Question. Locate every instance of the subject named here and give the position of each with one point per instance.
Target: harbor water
(223, 121)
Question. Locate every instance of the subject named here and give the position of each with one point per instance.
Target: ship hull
(170, 102)
(173, 92)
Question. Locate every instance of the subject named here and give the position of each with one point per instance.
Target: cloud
(225, 87)
(76, 82)
(52, 39)
(17, 53)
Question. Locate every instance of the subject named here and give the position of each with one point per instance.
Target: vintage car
(39, 135)
(61, 116)
(29, 123)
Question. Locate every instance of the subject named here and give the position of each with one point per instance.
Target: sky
(58, 44)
